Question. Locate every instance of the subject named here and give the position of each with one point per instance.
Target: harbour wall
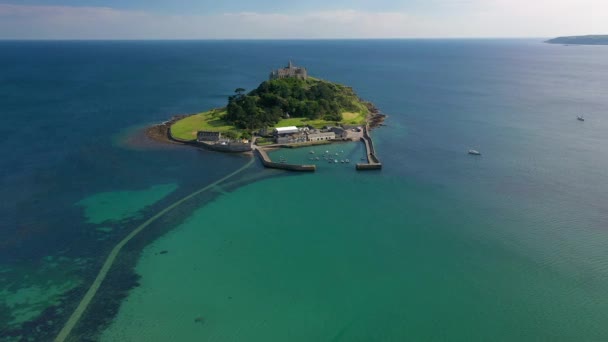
(267, 162)
(364, 167)
(373, 163)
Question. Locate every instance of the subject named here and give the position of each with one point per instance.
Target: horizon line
(267, 39)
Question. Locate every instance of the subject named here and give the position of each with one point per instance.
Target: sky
(305, 19)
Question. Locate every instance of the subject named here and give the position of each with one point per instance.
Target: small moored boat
(474, 152)
(580, 118)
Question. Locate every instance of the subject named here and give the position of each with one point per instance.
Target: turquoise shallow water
(439, 245)
(346, 256)
(114, 206)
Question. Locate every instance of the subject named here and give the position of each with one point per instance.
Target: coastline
(161, 132)
(375, 118)
(590, 40)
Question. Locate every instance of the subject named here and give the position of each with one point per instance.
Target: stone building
(291, 138)
(208, 136)
(321, 136)
(290, 71)
(340, 132)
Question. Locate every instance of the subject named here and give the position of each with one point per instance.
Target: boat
(317, 158)
(312, 152)
(336, 161)
(580, 118)
(474, 152)
(342, 161)
(347, 160)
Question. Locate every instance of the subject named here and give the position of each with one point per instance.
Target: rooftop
(288, 129)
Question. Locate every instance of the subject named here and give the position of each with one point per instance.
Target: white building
(287, 135)
(286, 130)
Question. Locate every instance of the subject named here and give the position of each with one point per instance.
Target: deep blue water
(540, 187)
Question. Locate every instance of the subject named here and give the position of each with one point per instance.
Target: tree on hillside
(231, 135)
(267, 104)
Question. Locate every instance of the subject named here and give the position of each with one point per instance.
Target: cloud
(450, 18)
(100, 22)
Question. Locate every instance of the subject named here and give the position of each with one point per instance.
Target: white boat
(580, 118)
(474, 152)
(312, 152)
(336, 161)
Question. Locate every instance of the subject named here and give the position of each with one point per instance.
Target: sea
(439, 245)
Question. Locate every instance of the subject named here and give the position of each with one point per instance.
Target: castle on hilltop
(290, 71)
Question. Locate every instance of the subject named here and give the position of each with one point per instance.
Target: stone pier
(373, 163)
(267, 162)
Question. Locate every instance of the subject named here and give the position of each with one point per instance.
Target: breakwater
(373, 163)
(267, 162)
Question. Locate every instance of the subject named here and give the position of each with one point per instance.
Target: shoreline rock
(160, 132)
(375, 118)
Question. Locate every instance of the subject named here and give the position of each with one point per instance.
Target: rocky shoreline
(160, 132)
(375, 117)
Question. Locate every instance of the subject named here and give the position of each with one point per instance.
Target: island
(290, 109)
(580, 40)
